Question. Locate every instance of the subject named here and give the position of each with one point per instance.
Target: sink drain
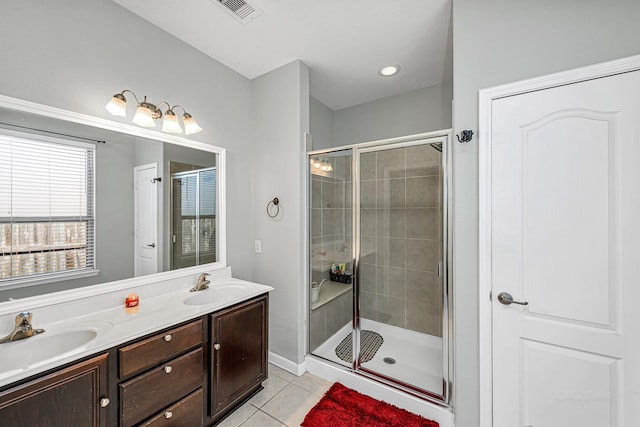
(389, 360)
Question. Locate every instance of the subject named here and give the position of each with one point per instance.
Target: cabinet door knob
(168, 414)
(168, 337)
(168, 369)
(104, 402)
(216, 346)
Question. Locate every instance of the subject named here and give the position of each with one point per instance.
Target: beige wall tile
(391, 310)
(391, 163)
(422, 223)
(391, 281)
(391, 222)
(422, 254)
(422, 192)
(391, 193)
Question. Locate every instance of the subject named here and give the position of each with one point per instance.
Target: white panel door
(146, 219)
(565, 238)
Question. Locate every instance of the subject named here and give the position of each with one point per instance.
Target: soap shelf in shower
(329, 292)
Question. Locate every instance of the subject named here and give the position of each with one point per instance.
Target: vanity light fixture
(389, 70)
(147, 113)
(320, 165)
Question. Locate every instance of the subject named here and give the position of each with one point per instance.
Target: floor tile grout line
(271, 398)
(271, 416)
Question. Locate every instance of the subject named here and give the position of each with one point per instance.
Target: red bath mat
(342, 406)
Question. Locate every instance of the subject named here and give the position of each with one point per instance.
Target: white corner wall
(280, 116)
(75, 54)
(498, 42)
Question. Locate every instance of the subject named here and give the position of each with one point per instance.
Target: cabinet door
(239, 349)
(68, 397)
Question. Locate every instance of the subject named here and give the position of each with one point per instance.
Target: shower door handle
(506, 299)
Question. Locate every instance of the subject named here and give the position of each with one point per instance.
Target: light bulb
(144, 117)
(170, 123)
(388, 71)
(190, 125)
(117, 106)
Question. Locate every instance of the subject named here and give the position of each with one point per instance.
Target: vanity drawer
(148, 393)
(186, 413)
(159, 348)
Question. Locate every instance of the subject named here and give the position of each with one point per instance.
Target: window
(46, 207)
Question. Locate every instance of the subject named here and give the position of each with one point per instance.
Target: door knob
(152, 245)
(506, 299)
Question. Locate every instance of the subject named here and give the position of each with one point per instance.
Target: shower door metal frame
(444, 137)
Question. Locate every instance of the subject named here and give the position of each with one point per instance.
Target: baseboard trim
(287, 365)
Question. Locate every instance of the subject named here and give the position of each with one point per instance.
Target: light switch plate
(258, 246)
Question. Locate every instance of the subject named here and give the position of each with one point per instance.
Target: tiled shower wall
(401, 237)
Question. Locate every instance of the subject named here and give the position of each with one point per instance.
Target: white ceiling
(344, 43)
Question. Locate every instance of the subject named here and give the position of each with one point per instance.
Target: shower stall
(379, 290)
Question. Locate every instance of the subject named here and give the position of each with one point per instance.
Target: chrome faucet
(23, 328)
(202, 284)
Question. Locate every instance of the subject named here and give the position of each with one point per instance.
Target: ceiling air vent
(239, 9)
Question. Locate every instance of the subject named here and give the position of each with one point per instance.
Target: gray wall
(280, 112)
(422, 110)
(320, 124)
(75, 54)
(418, 111)
(497, 42)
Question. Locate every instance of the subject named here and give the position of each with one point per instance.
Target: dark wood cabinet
(165, 374)
(73, 396)
(238, 346)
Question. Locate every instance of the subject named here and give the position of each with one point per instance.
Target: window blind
(47, 223)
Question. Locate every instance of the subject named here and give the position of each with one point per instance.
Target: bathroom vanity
(208, 355)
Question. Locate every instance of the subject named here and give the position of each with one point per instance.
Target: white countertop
(161, 306)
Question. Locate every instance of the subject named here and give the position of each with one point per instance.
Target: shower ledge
(330, 291)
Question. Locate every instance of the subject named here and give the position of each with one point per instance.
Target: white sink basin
(219, 293)
(44, 348)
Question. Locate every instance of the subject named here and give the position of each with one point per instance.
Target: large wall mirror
(85, 201)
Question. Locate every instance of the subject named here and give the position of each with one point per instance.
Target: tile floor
(284, 401)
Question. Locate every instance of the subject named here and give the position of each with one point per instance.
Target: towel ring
(273, 203)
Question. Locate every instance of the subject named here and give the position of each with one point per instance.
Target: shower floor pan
(418, 356)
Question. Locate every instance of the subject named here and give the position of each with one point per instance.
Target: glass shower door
(331, 257)
(401, 252)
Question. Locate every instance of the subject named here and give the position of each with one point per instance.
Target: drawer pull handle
(168, 369)
(104, 402)
(168, 337)
(168, 414)
(216, 346)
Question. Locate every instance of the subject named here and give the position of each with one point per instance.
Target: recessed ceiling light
(389, 70)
